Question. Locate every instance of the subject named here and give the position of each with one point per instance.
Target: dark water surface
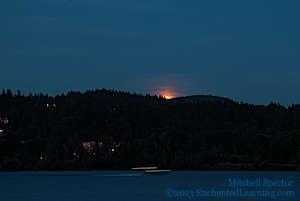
(136, 185)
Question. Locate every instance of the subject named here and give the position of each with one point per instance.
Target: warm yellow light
(144, 168)
(167, 97)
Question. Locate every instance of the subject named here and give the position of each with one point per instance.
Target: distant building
(100, 144)
(114, 148)
(117, 144)
(4, 120)
(49, 105)
(111, 148)
(88, 145)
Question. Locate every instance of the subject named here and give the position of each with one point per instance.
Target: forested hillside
(108, 129)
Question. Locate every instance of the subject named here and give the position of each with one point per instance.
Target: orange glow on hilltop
(167, 92)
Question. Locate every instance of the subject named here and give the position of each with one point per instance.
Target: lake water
(136, 185)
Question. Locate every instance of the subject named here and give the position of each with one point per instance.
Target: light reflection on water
(133, 185)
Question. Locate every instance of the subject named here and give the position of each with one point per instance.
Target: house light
(6, 121)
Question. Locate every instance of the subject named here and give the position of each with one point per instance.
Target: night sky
(243, 50)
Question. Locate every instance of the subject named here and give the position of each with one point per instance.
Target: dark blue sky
(243, 50)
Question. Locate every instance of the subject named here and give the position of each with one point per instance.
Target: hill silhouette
(196, 98)
(110, 129)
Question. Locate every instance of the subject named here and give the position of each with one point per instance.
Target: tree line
(46, 133)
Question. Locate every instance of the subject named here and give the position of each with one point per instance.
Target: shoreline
(226, 166)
